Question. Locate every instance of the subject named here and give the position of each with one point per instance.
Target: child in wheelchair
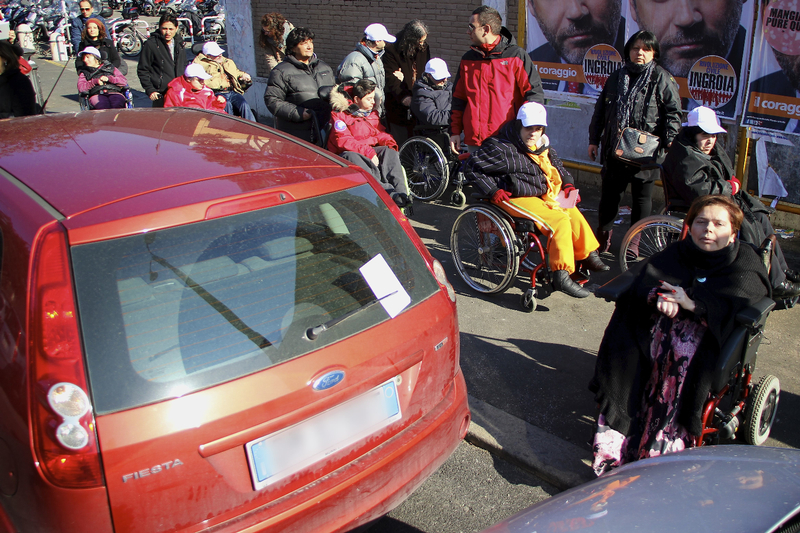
(657, 362)
(523, 175)
(101, 81)
(358, 136)
(431, 98)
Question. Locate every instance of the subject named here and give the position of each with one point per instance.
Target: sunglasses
(86, 9)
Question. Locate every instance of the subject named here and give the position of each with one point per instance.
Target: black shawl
(721, 283)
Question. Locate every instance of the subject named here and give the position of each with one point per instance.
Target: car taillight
(61, 413)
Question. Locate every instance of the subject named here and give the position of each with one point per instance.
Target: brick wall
(339, 24)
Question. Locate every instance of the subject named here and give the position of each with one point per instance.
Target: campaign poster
(703, 43)
(575, 45)
(774, 101)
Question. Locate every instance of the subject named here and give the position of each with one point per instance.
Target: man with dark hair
(298, 88)
(162, 59)
(688, 30)
(365, 61)
(77, 24)
(493, 80)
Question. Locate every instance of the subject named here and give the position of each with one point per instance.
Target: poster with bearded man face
(576, 44)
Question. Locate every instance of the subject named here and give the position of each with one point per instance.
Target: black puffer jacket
(156, 66)
(656, 110)
(431, 104)
(292, 88)
(502, 162)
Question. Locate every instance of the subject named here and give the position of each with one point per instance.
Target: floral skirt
(655, 430)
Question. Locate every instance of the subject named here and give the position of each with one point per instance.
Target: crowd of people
(651, 376)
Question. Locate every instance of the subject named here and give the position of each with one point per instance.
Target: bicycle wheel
(647, 237)
(129, 43)
(483, 250)
(426, 168)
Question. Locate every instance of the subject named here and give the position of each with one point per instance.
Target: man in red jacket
(493, 80)
(358, 136)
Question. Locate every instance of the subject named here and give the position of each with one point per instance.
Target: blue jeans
(235, 104)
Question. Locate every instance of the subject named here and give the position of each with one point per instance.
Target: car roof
(81, 161)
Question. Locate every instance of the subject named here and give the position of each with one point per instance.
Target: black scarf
(627, 91)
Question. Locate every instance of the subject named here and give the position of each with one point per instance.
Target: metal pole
(742, 148)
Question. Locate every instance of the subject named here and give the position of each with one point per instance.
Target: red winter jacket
(352, 133)
(489, 88)
(181, 94)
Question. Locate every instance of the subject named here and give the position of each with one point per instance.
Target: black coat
(157, 67)
(292, 88)
(502, 162)
(656, 110)
(104, 45)
(721, 284)
(431, 105)
(17, 98)
(396, 90)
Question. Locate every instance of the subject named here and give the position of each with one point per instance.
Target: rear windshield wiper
(313, 333)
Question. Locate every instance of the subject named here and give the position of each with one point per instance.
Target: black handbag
(637, 147)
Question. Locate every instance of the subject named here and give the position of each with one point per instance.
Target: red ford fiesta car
(207, 325)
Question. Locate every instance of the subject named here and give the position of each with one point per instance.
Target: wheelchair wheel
(528, 300)
(458, 199)
(482, 245)
(426, 167)
(761, 411)
(648, 237)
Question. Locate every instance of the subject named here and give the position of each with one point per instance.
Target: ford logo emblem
(331, 379)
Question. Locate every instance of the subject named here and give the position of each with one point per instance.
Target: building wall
(339, 24)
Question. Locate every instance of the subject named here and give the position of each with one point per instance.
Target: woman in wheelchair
(523, 175)
(657, 358)
(101, 80)
(696, 166)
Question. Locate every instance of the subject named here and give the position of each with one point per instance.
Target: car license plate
(292, 449)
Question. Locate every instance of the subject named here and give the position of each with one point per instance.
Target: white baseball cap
(532, 114)
(705, 118)
(437, 68)
(90, 50)
(377, 32)
(212, 49)
(193, 70)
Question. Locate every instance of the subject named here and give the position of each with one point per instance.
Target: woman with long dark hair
(640, 95)
(17, 97)
(404, 63)
(274, 30)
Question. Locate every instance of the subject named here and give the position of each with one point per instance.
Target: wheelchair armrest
(756, 314)
(613, 289)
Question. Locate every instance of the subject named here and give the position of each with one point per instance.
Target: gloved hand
(500, 195)
(568, 190)
(736, 185)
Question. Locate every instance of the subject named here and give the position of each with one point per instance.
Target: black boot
(786, 289)
(605, 242)
(562, 282)
(792, 275)
(594, 263)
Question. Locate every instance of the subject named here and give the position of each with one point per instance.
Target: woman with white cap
(523, 175)
(433, 95)
(697, 166)
(101, 80)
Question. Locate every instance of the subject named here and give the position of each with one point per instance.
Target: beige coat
(218, 72)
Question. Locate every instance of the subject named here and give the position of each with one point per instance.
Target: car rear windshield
(169, 312)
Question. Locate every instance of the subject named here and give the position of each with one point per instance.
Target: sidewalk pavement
(554, 460)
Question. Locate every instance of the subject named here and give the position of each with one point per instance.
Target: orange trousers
(569, 236)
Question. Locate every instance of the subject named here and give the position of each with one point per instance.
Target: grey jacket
(363, 63)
